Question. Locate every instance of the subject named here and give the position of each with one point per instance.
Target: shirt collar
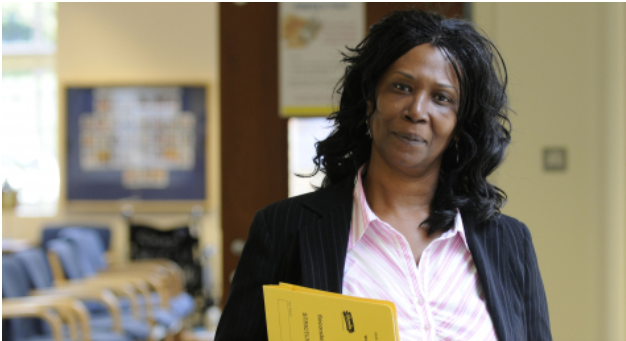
(458, 228)
(362, 216)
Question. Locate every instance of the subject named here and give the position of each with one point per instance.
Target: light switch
(554, 159)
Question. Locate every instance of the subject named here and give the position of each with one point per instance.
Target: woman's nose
(418, 109)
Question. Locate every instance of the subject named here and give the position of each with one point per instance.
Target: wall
(566, 65)
(139, 42)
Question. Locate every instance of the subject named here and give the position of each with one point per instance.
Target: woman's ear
(370, 107)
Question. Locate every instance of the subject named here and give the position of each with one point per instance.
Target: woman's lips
(410, 138)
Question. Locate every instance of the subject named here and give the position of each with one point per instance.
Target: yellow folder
(295, 313)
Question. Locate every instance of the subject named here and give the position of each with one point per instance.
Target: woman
(405, 212)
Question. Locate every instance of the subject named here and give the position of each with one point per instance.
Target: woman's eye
(443, 98)
(402, 87)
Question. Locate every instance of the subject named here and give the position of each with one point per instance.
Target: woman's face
(417, 100)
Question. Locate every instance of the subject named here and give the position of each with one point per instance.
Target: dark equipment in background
(177, 245)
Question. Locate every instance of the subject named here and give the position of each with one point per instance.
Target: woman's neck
(391, 192)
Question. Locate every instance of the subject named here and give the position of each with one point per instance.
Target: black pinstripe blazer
(303, 240)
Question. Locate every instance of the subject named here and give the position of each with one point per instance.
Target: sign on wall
(311, 39)
(137, 143)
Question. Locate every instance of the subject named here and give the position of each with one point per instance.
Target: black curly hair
(483, 128)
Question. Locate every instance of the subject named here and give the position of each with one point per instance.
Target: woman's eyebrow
(446, 86)
(409, 76)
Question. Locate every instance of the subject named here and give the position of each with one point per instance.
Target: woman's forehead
(425, 59)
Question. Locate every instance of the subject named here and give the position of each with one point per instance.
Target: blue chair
(15, 283)
(98, 238)
(88, 244)
(69, 255)
(51, 231)
(37, 270)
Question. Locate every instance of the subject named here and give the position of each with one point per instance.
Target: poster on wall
(136, 143)
(311, 37)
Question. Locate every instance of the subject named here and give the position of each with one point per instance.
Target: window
(29, 130)
(28, 28)
(303, 133)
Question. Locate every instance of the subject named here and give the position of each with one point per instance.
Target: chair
(36, 270)
(52, 231)
(65, 252)
(70, 311)
(17, 303)
(178, 302)
(13, 285)
(19, 313)
(89, 246)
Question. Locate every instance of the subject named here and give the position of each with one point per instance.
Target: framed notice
(311, 39)
(136, 143)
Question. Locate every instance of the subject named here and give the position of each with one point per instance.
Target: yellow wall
(136, 43)
(566, 65)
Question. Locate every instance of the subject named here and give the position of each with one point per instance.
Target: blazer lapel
(324, 241)
(485, 244)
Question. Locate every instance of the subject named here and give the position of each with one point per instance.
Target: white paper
(311, 39)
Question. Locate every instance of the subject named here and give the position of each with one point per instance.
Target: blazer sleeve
(243, 317)
(535, 303)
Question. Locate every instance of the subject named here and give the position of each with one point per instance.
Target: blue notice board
(136, 143)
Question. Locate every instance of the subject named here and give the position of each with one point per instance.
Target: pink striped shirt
(440, 300)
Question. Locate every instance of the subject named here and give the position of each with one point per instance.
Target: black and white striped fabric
(303, 240)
